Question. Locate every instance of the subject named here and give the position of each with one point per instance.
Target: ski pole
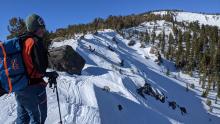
(58, 100)
(52, 81)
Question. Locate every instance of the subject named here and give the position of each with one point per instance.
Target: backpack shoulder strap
(22, 38)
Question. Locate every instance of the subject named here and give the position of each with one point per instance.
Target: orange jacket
(27, 51)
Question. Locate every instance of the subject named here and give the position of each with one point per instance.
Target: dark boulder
(120, 107)
(64, 58)
(141, 91)
(172, 104)
(183, 110)
(131, 43)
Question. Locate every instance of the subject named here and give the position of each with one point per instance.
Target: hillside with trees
(192, 46)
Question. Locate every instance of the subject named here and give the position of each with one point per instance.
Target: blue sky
(61, 13)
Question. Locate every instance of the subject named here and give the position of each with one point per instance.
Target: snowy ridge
(83, 100)
(206, 19)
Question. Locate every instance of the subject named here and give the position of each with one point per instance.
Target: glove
(52, 74)
(52, 78)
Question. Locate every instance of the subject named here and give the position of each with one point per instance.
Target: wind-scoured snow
(83, 100)
(206, 19)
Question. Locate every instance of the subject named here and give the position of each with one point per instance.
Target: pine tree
(153, 36)
(192, 56)
(142, 39)
(196, 50)
(170, 47)
(218, 67)
(175, 32)
(147, 38)
(210, 80)
(200, 50)
(204, 67)
(180, 49)
(191, 63)
(162, 41)
(16, 27)
(213, 43)
(187, 38)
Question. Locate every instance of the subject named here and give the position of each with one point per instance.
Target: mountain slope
(206, 19)
(83, 100)
(123, 69)
(123, 85)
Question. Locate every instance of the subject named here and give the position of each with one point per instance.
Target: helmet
(33, 22)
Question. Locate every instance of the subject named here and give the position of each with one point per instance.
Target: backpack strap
(6, 67)
(22, 38)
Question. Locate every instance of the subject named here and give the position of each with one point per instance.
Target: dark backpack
(13, 75)
(2, 91)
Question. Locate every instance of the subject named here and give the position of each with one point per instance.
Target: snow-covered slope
(83, 100)
(206, 19)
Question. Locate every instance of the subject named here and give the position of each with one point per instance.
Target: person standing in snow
(32, 101)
